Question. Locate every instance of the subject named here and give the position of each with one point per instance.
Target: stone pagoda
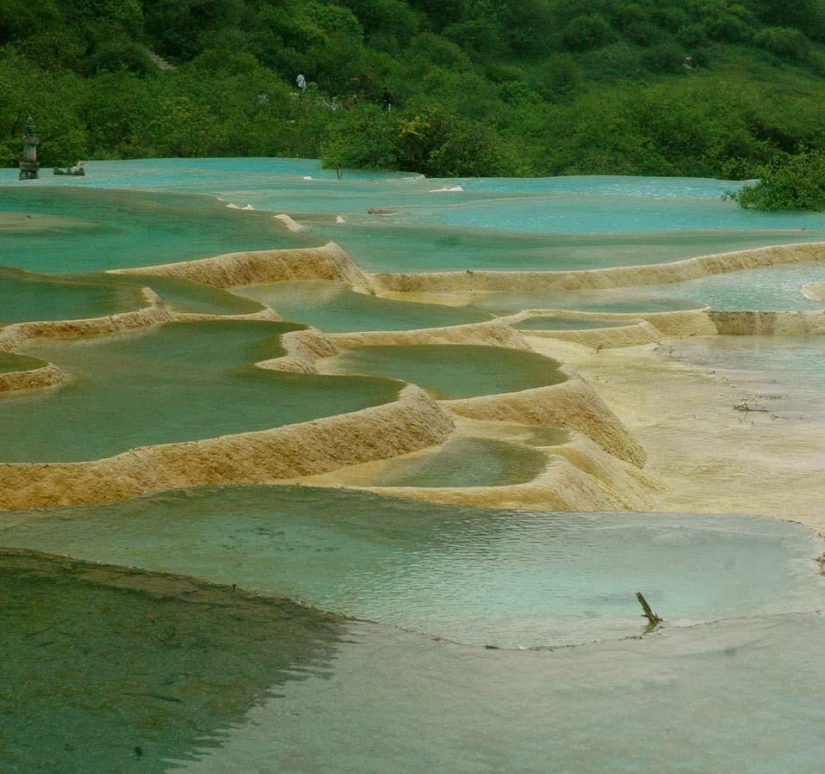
(29, 164)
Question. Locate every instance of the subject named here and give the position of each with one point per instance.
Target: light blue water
(92, 230)
(774, 288)
(785, 373)
(613, 301)
(738, 696)
(476, 576)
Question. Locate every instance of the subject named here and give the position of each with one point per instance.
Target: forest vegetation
(711, 88)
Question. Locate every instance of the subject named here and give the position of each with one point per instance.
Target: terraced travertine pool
(182, 650)
(183, 381)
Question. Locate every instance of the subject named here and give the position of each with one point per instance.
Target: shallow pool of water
(178, 382)
(611, 301)
(89, 230)
(733, 696)
(11, 362)
(548, 323)
(773, 288)
(26, 297)
(465, 462)
(109, 669)
(383, 243)
(334, 308)
(506, 578)
(453, 371)
(784, 374)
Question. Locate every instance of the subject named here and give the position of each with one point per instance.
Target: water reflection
(112, 669)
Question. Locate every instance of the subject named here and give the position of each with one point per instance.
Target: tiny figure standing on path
(302, 83)
(386, 99)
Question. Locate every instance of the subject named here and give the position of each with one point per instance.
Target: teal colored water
(545, 323)
(730, 696)
(612, 301)
(389, 243)
(109, 669)
(466, 462)
(186, 296)
(26, 297)
(452, 371)
(476, 576)
(334, 308)
(774, 288)
(86, 230)
(96, 672)
(179, 382)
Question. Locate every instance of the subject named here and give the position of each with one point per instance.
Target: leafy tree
(587, 32)
(795, 182)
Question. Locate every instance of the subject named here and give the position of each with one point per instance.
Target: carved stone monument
(29, 164)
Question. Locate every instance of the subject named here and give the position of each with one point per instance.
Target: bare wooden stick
(651, 616)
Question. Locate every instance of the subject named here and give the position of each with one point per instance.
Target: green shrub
(785, 42)
(795, 182)
(121, 55)
(557, 77)
(664, 58)
(585, 33)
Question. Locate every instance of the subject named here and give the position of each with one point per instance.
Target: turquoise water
(612, 301)
(382, 243)
(735, 696)
(178, 382)
(785, 373)
(26, 297)
(334, 308)
(451, 371)
(476, 576)
(94, 673)
(775, 288)
(91, 230)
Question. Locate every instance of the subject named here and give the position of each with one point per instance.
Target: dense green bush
(795, 182)
(585, 33)
(784, 42)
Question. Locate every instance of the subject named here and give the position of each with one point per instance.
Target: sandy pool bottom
(712, 456)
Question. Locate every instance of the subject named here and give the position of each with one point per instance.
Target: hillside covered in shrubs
(715, 88)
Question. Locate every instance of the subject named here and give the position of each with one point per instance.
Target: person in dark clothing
(386, 100)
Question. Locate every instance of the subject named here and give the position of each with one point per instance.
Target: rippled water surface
(470, 575)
